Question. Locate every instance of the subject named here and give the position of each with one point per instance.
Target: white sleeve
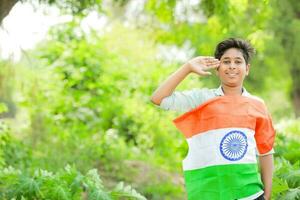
(183, 101)
(268, 153)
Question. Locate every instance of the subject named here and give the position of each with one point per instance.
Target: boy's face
(233, 68)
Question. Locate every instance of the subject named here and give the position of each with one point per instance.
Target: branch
(5, 7)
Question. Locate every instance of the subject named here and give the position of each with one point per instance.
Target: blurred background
(76, 79)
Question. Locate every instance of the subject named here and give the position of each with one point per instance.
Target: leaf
(27, 187)
(60, 193)
(126, 191)
(279, 185)
(293, 179)
(292, 194)
(93, 179)
(98, 194)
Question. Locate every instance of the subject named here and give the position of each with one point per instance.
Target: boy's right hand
(201, 64)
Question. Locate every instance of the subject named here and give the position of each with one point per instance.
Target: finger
(208, 57)
(209, 64)
(206, 73)
(211, 67)
(211, 61)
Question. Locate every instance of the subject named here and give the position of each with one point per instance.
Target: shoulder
(187, 99)
(258, 103)
(257, 99)
(253, 97)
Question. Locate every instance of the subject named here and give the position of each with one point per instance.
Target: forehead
(232, 53)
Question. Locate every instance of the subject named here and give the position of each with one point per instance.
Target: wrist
(187, 67)
(267, 195)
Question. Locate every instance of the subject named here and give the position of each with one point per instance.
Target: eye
(226, 61)
(238, 62)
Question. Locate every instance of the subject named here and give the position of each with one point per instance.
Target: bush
(66, 184)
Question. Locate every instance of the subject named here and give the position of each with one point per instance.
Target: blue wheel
(234, 145)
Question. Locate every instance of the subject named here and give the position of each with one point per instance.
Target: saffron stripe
(225, 112)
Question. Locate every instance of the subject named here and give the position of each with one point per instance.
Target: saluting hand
(201, 64)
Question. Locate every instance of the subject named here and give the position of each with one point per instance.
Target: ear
(247, 69)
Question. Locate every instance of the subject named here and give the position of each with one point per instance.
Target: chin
(231, 84)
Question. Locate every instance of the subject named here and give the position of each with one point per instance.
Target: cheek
(244, 69)
(222, 66)
(222, 70)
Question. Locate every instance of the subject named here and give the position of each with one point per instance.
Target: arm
(170, 84)
(197, 65)
(267, 167)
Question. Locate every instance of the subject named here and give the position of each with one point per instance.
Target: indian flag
(223, 135)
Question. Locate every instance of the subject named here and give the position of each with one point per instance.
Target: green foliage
(89, 75)
(83, 100)
(67, 100)
(12, 151)
(287, 174)
(286, 31)
(3, 108)
(286, 183)
(162, 10)
(65, 184)
(126, 191)
(288, 140)
(72, 6)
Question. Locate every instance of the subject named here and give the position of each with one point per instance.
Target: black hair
(244, 46)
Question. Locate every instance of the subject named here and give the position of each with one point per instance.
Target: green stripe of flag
(223, 182)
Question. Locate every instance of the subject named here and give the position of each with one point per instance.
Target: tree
(254, 20)
(5, 7)
(222, 18)
(73, 6)
(286, 26)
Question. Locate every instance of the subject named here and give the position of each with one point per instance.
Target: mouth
(232, 74)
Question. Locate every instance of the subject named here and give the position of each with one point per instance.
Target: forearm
(267, 167)
(168, 86)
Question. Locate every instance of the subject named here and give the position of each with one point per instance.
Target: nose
(232, 66)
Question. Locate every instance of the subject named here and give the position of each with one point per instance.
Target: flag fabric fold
(223, 135)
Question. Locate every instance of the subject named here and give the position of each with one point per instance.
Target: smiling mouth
(232, 74)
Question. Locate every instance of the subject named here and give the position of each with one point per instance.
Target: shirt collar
(219, 92)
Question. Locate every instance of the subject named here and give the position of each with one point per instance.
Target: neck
(232, 91)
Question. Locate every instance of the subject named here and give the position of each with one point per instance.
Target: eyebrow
(234, 58)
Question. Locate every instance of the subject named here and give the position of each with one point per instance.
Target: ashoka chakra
(234, 145)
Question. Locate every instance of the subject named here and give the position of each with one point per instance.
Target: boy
(224, 127)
